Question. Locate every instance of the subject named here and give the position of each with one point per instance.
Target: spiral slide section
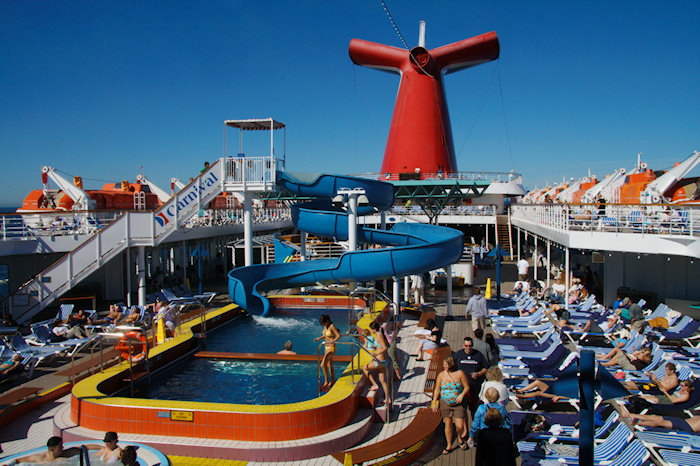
(410, 247)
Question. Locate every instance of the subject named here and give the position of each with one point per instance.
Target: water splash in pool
(284, 323)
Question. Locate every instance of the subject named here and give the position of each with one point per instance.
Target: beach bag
(535, 423)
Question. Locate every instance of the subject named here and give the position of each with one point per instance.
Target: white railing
(643, 219)
(500, 177)
(22, 226)
(254, 171)
(235, 216)
(478, 210)
(129, 228)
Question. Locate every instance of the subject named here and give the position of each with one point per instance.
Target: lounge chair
(186, 292)
(680, 458)
(63, 312)
(670, 439)
(39, 352)
(43, 335)
(607, 450)
(169, 296)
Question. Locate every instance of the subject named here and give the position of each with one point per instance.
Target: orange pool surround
(93, 408)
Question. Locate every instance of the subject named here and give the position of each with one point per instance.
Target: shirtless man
(287, 348)
(55, 446)
(113, 317)
(668, 382)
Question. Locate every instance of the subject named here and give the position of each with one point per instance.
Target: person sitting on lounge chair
(638, 360)
(7, 367)
(692, 424)
(681, 395)
(537, 388)
(114, 316)
(668, 382)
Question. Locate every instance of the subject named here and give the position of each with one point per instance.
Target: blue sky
(99, 89)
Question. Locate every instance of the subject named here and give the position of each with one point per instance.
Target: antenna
(421, 34)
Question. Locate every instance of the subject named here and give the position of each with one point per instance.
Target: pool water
(267, 334)
(240, 381)
(253, 382)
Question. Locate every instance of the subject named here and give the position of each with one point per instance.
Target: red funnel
(420, 136)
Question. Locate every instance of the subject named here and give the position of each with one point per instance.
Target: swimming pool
(253, 382)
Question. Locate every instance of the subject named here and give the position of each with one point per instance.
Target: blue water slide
(412, 247)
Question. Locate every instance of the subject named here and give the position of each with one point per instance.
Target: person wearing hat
(110, 453)
(623, 311)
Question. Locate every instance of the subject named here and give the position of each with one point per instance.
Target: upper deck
(647, 229)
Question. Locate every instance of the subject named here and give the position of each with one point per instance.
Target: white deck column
(566, 266)
(518, 230)
(549, 260)
(352, 222)
(248, 228)
(141, 274)
(448, 272)
(406, 288)
(536, 255)
(128, 277)
(397, 293)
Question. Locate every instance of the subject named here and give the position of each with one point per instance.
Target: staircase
(139, 229)
(503, 234)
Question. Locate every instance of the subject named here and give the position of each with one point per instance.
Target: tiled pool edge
(94, 409)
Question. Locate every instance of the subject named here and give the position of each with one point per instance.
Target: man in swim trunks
(692, 424)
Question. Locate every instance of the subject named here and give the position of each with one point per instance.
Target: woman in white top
(494, 379)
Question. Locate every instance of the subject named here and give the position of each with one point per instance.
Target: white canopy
(255, 124)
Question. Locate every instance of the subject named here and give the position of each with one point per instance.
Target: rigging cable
(480, 108)
(393, 23)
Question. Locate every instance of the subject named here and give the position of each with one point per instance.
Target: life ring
(137, 351)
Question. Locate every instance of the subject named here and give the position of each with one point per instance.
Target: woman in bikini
(330, 335)
(376, 344)
(451, 387)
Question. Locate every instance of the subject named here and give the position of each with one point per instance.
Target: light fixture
(362, 200)
(338, 200)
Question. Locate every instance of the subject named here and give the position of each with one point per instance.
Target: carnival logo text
(187, 199)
